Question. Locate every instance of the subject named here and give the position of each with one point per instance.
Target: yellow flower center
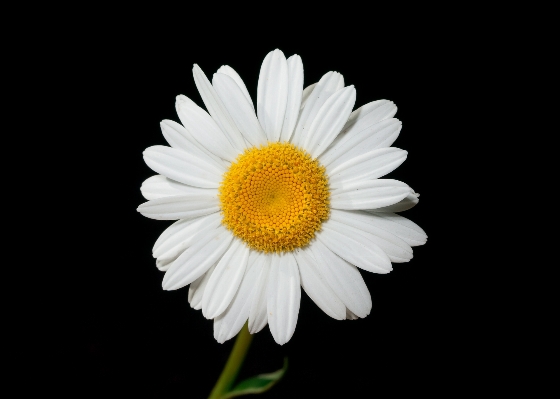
(274, 197)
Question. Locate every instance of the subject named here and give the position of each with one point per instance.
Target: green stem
(233, 364)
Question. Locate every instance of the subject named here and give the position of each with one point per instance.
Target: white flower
(285, 197)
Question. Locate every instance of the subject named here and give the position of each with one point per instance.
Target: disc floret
(274, 197)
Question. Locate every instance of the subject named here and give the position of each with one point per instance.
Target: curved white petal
(179, 137)
(204, 129)
(329, 120)
(257, 315)
(405, 204)
(396, 249)
(305, 95)
(197, 259)
(344, 279)
(272, 94)
(230, 322)
(159, 186)
(182, 167)
(216, 108)
(368, 194)
(367, 116)
(380, 135)
(329, 84)
(225, 280)
(197, 287)
(184, 233)
(239, 108)
(180, 207)
(170, 231)
(355, 246)
(283, 297)
(229, 71)
(400, 226)
(315, 285)
(164, 264)
(368, 166)
(295, 90)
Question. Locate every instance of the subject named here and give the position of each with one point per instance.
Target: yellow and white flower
(285, 197)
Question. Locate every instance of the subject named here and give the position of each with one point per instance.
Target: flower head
(276, 200)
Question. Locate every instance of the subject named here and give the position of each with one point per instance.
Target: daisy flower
(278, 197)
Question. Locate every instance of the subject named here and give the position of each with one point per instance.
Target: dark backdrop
(135, 338)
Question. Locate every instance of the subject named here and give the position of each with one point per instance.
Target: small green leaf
(257, 384)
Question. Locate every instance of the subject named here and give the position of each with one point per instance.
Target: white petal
(400, 226)
(396, 249)
(305, 95)
(164, 264)
(368, 194)
(329, 120)
(216, 108)
(368, 166)
(204, 129)
(184, 233)
(350, 315)
(283, 297)
(408, 202)
(317, 287)
(230, 322)
(179, 137)
(272, 94)
(239, 108)
(182, 167)
(159, 186)
(380, 135)
(253, 256)
(367, 116)
(370, 114)
(225, 280)
(295, 90)
(329, 84)
(197, 259)
(170, 231)
(343, 277)
(354, 246)
(258, 316)
(229, 71)
(197, 287)
(180, 207)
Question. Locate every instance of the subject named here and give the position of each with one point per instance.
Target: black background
(135, 338)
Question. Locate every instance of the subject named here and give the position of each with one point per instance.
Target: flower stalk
(233, 364)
